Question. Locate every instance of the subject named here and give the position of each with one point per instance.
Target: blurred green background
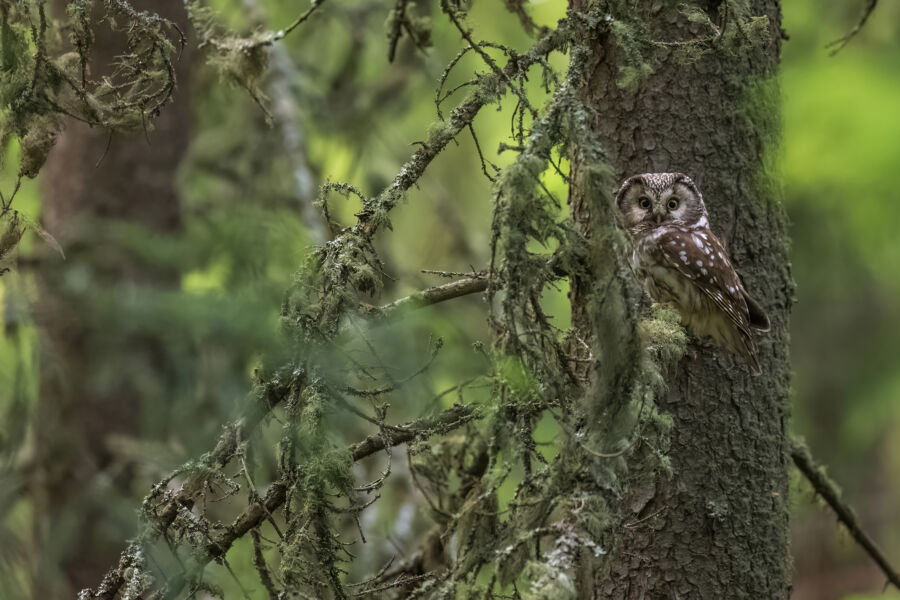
(242, 239)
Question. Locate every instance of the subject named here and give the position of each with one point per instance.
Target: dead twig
(839, 44)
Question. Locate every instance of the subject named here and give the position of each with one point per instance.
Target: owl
(683, 263)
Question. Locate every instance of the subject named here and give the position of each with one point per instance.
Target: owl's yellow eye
(644, 202)
(673, 203)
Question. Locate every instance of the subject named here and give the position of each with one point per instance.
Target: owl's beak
(658, 217)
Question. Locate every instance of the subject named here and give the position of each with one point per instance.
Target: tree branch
(397, 19)
(441, 293)
(276, 496)
(314, 4)
(825, 487)
(839, 44)
(460, 118)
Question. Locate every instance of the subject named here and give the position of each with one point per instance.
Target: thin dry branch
(501, 73)
(826, 488)
(303, 17)
(839, 44)
(433, 295)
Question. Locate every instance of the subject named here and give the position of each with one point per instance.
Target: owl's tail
(750, 354)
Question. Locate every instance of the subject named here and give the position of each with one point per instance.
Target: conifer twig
(825, 487)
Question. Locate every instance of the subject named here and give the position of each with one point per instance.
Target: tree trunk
(716, 526)
(93, 377)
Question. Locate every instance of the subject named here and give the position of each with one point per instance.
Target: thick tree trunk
(93, 377)
(717, 526)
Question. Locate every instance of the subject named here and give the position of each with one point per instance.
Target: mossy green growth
(36, 143)
(662, 334)
(760, 107)
(138, 579)
(333, 280)
(439, 133)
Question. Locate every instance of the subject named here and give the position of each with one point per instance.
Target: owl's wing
(699, 256)
(759, 320)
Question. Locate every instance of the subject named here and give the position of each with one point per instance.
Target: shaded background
(171, 320)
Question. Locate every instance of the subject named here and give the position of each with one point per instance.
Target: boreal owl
(683, 263)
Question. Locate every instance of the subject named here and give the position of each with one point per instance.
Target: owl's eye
(644, 202)
(673, 203)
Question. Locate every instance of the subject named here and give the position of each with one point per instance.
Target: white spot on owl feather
(699, 263)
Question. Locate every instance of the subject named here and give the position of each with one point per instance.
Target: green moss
(662, 333)
(439, 133)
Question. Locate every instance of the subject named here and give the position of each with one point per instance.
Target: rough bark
(717, 526)
(83, 401)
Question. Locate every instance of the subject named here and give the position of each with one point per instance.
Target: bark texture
(717, 525)
(80, 487)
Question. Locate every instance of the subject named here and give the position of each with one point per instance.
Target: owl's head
(650, 200)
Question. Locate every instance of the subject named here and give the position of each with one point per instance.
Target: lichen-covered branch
(257, 512)
(375, 212)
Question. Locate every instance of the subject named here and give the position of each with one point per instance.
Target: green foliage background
(243, 241)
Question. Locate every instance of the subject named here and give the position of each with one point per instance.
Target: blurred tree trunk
(717, 526)
(94, 376)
